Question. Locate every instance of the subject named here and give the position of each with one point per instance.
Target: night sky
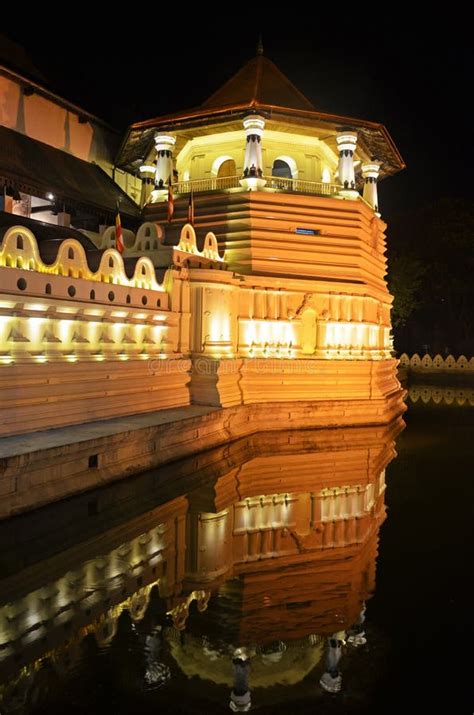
(416, 81)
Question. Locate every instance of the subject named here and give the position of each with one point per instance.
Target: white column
(164, 144)
(147, 175)
(370, 173)
(346, 142)
(253, 163)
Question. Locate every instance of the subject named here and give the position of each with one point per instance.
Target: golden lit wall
(57, 318)
(221, 338)
(309, 157)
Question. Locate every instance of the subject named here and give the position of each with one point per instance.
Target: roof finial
(260, 45)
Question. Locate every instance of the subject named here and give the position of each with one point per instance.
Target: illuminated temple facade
(266, 288)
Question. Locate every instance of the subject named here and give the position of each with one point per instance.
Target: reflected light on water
(270, 553)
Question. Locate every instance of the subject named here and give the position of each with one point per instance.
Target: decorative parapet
(20, 250)
(437, 364)
(65, 311)
(186, 252)
(150, 239)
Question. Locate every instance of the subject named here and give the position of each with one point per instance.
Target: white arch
(326, 175)
(217, 163)
(291, 163)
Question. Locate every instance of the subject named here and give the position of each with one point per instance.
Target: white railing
(217, 183)
(212, 183)
(304, 187)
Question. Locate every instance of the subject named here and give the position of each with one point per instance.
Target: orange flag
(118, 232)
(170, 202)
(191, 208)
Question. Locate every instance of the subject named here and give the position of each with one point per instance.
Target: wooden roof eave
(203, 116)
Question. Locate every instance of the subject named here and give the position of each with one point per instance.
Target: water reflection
(245, 568)
(442, 394)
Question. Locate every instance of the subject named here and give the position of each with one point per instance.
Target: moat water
(237, 579)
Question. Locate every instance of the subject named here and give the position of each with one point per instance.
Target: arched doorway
(227, 168)
(223, 165)
(281, 169)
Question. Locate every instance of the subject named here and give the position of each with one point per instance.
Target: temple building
(250, 290)
(56, 159)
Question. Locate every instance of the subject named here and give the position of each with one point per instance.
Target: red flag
(118, 232)
(191, 208)
(170, 202)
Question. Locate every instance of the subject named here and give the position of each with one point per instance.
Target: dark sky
(416, 80)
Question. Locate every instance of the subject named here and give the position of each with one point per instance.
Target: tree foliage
(431, 274)
(405, 283)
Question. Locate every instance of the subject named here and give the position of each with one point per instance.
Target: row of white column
(253, 176)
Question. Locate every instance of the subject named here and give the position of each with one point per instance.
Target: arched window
(227, 168)
(282, 169)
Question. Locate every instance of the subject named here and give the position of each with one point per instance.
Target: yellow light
(63, 309)
(34, 325)
(64, 330)
(269, 336)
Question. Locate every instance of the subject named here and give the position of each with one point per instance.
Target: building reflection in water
(254, 573)
(442, 394)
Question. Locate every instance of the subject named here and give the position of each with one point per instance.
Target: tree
(405, 280)
(431, 270)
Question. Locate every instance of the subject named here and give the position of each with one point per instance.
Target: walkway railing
(218, 183)
(304, 187)
(212, 183)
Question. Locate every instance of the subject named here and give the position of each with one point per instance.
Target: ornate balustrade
(304, 187)
(219, 183)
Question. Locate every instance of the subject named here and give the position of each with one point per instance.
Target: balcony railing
(212, 183)
(300, 186)
(219, 183)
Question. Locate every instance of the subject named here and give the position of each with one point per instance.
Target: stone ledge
(44, 467)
